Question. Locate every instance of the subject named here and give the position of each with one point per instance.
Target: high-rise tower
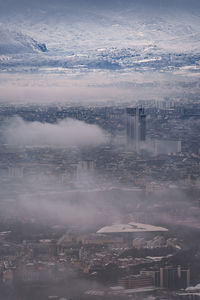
(135, 127)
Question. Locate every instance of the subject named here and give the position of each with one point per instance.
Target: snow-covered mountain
(80, 46)
(102, 39)
(124, 45)
(13, 42)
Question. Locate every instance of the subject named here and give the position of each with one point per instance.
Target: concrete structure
(135, 127)
(135, 281)
(166, 146)
(169, 277)
(131, 227)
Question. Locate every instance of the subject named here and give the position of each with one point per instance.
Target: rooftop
(131, 227)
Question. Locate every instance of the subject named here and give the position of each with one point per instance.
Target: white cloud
(65, 133)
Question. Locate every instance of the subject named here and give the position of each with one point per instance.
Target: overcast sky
(21, 4)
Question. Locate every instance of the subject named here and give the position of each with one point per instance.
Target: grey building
(135, 127)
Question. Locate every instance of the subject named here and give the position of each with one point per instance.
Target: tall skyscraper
(135, 127)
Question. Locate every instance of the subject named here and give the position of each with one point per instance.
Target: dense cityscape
(112, 217)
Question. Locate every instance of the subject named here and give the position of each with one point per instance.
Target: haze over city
(99, 150)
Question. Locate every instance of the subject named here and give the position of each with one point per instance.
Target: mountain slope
(12, 42)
